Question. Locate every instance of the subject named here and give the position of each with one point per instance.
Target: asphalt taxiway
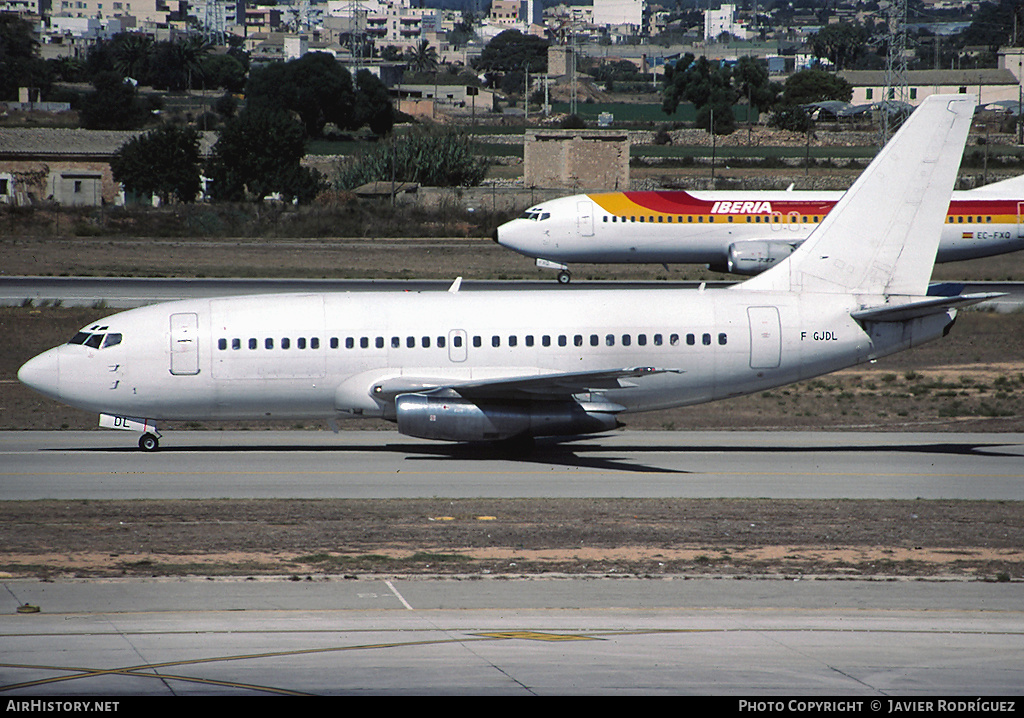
(595, 636)
(553, 635)
(630, 464)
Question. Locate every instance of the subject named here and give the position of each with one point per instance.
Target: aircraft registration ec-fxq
(733, 231)
(506, 365)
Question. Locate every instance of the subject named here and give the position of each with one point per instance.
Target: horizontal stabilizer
(913, 310)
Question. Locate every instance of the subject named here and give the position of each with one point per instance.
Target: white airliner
(490, 366)
(738, 232)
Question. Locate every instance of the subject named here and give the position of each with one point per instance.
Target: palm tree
(422, 58)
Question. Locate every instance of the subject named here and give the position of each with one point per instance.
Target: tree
(842, 44)
(130, 53)
(422, 58)
(512, 50)
(164, 162)
(224, 71)
(315, 86)
(20, 64)
(258, 154)
(808, 86)
(752, 82)
(708, 86)
(178, 65)
(114, 105)
(372, 106)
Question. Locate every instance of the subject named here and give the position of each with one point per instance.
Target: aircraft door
(184, 344)
(457, 345)
(585, 218)
(765, 337)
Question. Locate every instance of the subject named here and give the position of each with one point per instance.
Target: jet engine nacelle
(754, 257)
(458, 419)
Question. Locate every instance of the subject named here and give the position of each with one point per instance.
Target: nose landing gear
(149, 442)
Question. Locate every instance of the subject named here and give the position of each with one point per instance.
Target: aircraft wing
(539, 386)
(924, 307)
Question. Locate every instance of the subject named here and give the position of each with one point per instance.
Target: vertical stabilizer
(882, 236)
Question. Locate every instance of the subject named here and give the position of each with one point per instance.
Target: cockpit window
(96, 340)
(535, 215)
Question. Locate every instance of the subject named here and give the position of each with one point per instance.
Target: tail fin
(882, 236)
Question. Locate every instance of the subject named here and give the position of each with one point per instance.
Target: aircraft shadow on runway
(571, 451)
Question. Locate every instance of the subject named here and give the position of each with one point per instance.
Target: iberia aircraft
(510, 365)
(737, 232)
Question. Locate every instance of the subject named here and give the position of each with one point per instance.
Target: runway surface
(385, 464)
(394, 635)
(120, 292)
(497, 637)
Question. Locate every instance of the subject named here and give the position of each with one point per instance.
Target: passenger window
(426, 342)
(657, 340)
(477, 341)
(440, 343)
(626, 341)
(495, 341)
(350, 342)
(673, 339)
(410, 342)
(641, 339)
(268, 343)
(364, 342)
(314, 342)
(112, 340)
(379, 342)
(609, 340)
(236, 343)
(513, 340)
(301, 342)
(722, 339)
(457, 341)
(562, 341)
(690, 340)
(286, 343)
(395, 342)
(529, 340)
(334, 342)
(594, 340)
(222, 344)
(252, 343)
(706, 340)
(577, 340)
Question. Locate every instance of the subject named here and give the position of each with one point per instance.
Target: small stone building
(576, 159)
(68, 166)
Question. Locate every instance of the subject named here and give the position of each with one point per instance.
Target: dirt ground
(970, 381)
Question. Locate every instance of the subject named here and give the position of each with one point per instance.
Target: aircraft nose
(42, 373)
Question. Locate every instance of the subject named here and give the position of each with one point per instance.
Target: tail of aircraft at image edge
(733, 231)
(505, 365)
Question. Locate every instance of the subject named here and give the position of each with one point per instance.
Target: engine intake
(458, 419)
(754, 257)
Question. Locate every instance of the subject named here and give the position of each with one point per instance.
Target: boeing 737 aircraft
(505, 365)
(733, 231)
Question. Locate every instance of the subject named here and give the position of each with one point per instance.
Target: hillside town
(352, 70)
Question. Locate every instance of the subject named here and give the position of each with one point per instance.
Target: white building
(390, 22)
(610, 13)
(724, 20)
